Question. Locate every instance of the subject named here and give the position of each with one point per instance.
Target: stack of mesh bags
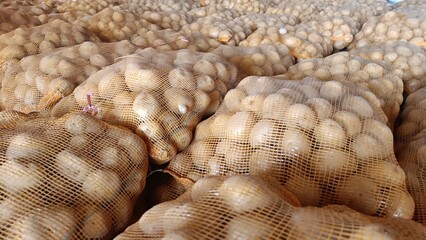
(410, 142)
(408, 61)
(379, 77)
(73, 177)
(248, 207)
(161, 96)
(327, 142)
(36, 83)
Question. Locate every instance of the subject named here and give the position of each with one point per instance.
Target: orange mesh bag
(247, 207)
(159, 95)
(405, 25)
(327, 142)
(412, 118)
(30, 41)
(73, 177)
(263, 60)
(38, 82)
(228, 32)
(303, 41)
(407, 59)
(11, 20)
(340, 30)
(217, 11)
(379, 77)
(114, 24)
(412, 159)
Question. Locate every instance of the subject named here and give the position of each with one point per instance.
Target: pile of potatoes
(11, 20)
(263, 60)
(340, 30)
(87, 6)
(327, 142)
(38, 82)
(73, 177)
(261, 20)
(215, 10)
(303, 41)
(114, 24)
(224, 31)
(378, 77)
(248, 207)
(393, 26)
(408, 61)
(159, 95)
(412, 118)
(412, 159)
(23, 42)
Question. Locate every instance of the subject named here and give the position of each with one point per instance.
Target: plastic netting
(303, 41)
(160, 95)
(412, 118)
(262, 60)
(412, 159)
(38, 82)
(247, 207)
(327, 142)
(23, 42)
(73, 177)
(406, 58)
(393, 26)
(378, 77)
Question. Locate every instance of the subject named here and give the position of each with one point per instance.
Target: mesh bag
(217, 11)
(30, 41)
(340, 30)
(406, 58)
(262, 20)
(159, 95)
(11, 20)
(412, 118)
(245, 6)
(10, 118)
(38, 82)
(86, 6)
(412, 159)
(303, 41)
(358, 12)
(166, 5)
(409, 3)
(303, 10)
(376, 76)
(73, 177)
(393, 26)
(224, 31)
(246, 207)
(114, 24)
(174, 20)
(327, 142)
(263, 60)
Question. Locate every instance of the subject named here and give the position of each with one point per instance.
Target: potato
(72, 166)
(181, 137)
(263, 133)
(294, 142)
(252, 103)
(139, 79)
(179, 217)
(368, 147)
(16, 177)
(300, 115)
(179, 100)
(182, 78)
(205, 82)
(233, 99)
(23, 146)
(97, 222)
(334, 161)
(111, 83)
(329, 133)
(349, 121)
(332, 90)
(275, 105)
(111, 156)
(357, 105)
(322, 107)
(244, 194)
(146, 105)
(241, 227)
(100, 185)
(241, 124)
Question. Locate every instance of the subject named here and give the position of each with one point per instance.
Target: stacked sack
(248, 207)
(327, 142)
(408, 61)
(378, 77)
(73, 177)
(38, 82)
(159, 95)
